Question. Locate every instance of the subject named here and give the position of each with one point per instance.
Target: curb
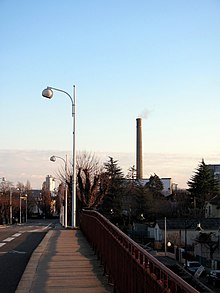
(27, 278)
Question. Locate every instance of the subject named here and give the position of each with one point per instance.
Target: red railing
(129, 267)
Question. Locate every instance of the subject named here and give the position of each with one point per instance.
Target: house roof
(189, 223)
(215, 200)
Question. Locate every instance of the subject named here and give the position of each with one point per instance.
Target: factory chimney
(139, 167)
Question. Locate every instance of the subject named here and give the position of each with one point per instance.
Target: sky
(154, 59)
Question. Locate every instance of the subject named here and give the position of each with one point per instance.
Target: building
(35, 209)
(212, 207)
(50, 183)
(167, 185)
(181, 232)
(216, 171)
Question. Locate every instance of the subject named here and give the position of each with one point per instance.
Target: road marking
(8, 239)
(16, 251)
(2, 244)
(40, 229)
(16, 235)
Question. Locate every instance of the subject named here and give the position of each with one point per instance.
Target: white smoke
(145, 114)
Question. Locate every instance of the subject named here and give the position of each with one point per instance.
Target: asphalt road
(171, 264)
(17, 242)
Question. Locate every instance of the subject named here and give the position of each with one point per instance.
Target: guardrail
(128, 266)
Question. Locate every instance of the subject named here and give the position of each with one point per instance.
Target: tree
(202, 186)
(112, 186)
(140, 196)
(181, 203)
(23, 190)
(10, 193)
(46, 204)
(210, 240)
(89, 194)
(4, 202)
(155, 185)
(131, 173)
(88, 175)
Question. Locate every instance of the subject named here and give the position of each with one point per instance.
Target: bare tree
(88, 175)
(210, 240)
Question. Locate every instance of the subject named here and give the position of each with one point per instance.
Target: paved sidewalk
(63, 262)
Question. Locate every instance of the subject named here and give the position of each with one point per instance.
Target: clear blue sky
(127, 58)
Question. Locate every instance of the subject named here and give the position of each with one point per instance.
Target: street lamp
(53, 159)
(48, 93)
(10, 205)
(198, 228)
(24, 197)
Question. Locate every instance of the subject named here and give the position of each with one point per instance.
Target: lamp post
(20, 210)
(10, 205)
(24, 197)
(166, 243)
(26, 207)
(53, 159)
(48, 93)
(198, 228)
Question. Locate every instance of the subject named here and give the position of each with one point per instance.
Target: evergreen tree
(112, 184)
(155, 185)
(202, 185)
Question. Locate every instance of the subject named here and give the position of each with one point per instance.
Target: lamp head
(47, 93)
(53, 158)
(198, 227)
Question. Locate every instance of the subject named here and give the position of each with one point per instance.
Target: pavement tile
(64, 262)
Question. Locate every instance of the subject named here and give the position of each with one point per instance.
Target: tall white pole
(26, 209)
(20, 208)
(48, 93)
(10, 205)
(74, 160)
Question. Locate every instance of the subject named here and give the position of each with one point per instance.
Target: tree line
(122, 198)
(119, 197)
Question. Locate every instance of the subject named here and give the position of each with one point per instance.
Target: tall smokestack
(139, 166)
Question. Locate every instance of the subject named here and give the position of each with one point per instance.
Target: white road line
(8, 239)
(39, 229)
(47, 226)
(16, 251)
(16, 235)
(31, 231)
(2, 244)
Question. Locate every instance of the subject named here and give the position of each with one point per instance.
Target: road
(17, 242)
(173, 265)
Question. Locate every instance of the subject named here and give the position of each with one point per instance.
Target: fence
(129, 267)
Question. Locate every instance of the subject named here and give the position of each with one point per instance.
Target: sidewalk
(63, 262)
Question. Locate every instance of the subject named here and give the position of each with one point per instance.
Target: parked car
(213, 277)
(192, 266)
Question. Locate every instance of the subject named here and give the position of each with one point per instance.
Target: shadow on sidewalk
(86, 250)
(69, 263)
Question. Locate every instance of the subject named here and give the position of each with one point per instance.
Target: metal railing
(129, 267)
